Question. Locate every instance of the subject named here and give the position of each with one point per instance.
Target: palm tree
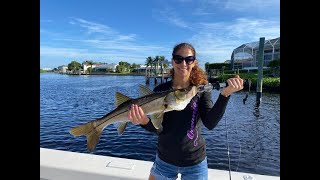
(90, 63)
(149, 61)
(167, 62)
(156, 63)
(161, 61)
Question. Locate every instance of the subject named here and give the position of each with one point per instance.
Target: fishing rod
(217, 85)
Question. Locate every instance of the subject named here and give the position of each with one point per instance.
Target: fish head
(179, 99)
(187, 93)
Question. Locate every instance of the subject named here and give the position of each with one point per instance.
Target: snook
(153, 104)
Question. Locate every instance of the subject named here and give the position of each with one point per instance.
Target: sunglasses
(178, 59)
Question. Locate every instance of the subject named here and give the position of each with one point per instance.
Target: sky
(125, 30)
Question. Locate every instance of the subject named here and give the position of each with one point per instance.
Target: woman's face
(183, 69)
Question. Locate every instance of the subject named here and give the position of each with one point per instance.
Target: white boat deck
(65, 165)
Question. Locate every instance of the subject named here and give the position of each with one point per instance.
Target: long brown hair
(197, 75)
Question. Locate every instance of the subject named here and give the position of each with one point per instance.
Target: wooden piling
(260, 71)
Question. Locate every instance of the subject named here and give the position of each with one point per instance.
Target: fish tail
(82, 129)
(92, 132)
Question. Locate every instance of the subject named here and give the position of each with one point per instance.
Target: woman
(181, 147)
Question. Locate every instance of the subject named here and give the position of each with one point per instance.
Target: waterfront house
(63, 69)
(86, 65)
(105, 67)
(246, 55)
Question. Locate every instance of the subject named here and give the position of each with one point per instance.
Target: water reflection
(256, 111)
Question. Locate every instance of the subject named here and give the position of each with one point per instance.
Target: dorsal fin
(120, 98)
(144, 90)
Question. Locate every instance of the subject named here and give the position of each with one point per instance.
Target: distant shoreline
(111, 74)
(116, 74)
(108, 74)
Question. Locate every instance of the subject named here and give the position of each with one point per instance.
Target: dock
(155, 78)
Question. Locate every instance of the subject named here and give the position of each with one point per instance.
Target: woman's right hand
(137, 116)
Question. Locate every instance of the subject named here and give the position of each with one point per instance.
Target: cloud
(184, 1)
(65, 52)
(239, 5)
(96, 28)
(78, 54)
(45, 21)
(49, 33)
(133, 53)
(110, 45)
(169, 16)
(254, 28)
(113, 45)
(216, 41)
(91, 26)
(130, 37)
(212, 7)
(201, 12)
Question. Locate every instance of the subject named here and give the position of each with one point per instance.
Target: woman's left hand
(234, 84)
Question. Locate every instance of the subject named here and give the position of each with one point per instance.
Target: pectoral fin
(122, 126)
(157, 119)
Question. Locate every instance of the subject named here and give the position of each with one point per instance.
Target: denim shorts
(164, 171)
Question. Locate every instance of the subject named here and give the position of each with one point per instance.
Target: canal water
(67, 101)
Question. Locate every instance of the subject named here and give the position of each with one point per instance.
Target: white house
(63, 69)
(105, 66)
(47, 69)
(86, 65)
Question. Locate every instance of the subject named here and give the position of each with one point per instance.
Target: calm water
(67, 101)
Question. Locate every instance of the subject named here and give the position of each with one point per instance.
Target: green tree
(274, 65)
(109, 70)
(74, 66)
(162, 61)
(123, 67)
(149, 61)
(156, 64)
(90, 63)
(223, 68)
(166, 63)
(89, 69)
(206, 66)
(133, 67)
